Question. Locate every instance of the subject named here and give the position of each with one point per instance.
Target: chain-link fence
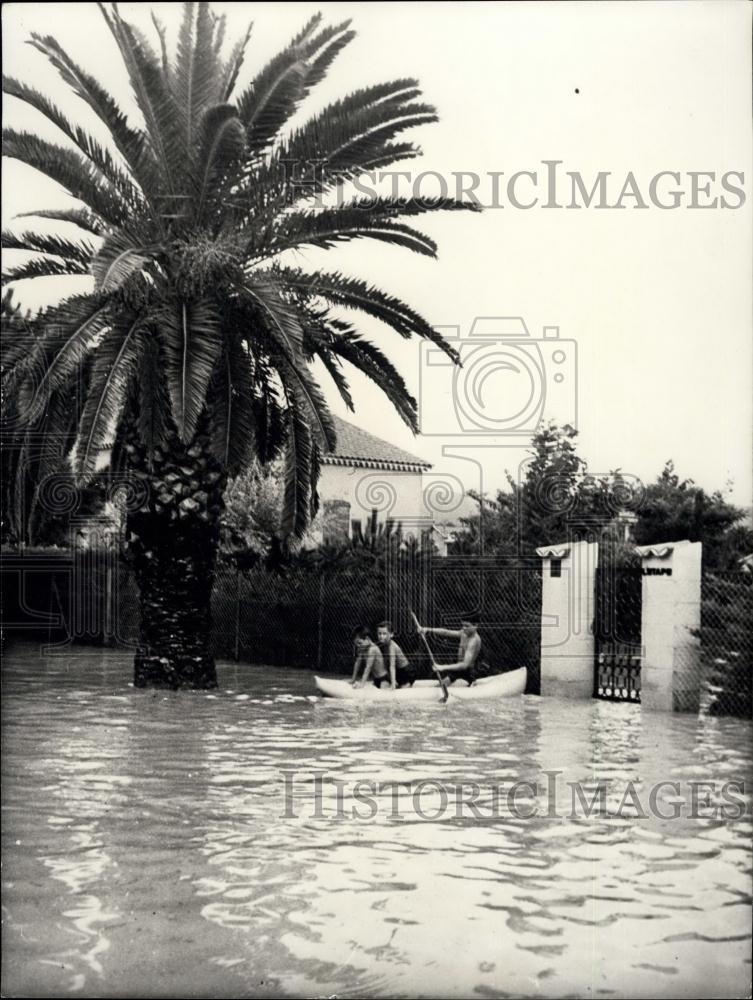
(726, 636)
(506, 599)
(306, 617)
(297, 616)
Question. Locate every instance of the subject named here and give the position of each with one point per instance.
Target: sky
(653, 359)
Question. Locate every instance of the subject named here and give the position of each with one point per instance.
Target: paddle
(443, 683)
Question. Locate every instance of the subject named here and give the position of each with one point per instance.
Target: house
(363, 475)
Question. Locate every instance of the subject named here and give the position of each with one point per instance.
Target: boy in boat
(393, 656)
(368, 656)
(470, 664)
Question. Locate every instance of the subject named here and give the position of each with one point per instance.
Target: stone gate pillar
(671, 665)
(567, 616)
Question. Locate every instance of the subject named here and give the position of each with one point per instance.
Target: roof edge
(374, 463)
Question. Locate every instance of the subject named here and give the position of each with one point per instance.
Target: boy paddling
(470, 664)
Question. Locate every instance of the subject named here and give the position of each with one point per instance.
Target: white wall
(395, 495)
(567, 614)
(670, 672)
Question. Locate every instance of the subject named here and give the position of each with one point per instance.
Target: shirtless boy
(470, 664)
(369, 658)
(395, 659)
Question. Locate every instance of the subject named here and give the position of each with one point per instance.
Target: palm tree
(191, 356)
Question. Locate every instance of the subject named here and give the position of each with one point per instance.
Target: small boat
(505, 685)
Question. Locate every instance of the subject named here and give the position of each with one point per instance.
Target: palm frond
(69, 333)
(335, 372)
(351, 132)
(80, 217)
(132, 144)
(183, 72)
(206, 87)
(219, 27)
(118, 259)
(338, 289)
(286, 80)
(270, 418)
(316, 468)
(99, 156)
(60, 421)
(307, 31)
(275, 87)
(275, 99)
(153, 411)
(153, 97)
(344, 144)
(373, 363)
(44, 267)
(114, 369)
(373, 218)
(389, 93)
(329, 44)
(300, 385)
(298, 472)
(195, 80)
(162, 34)
(389, 154)
(271, 187)
(223, 144)
(70, 169)
(292, 177)
(332, 226)
(58, 246)
(394, 208)
(278, 316)
(191, 338)
(233, 65)
(233, 425)
(18, 337)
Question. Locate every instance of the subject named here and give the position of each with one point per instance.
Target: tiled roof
(356, 446)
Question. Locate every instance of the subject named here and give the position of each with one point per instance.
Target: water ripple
(149, 844)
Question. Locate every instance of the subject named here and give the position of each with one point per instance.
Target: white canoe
(499, 686)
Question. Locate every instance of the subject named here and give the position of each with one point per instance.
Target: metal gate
(617, 633)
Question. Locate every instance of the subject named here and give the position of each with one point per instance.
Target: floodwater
(150, 848)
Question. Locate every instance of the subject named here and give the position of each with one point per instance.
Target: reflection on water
(147, 852)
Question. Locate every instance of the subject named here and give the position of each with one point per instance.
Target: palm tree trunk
(172, 542)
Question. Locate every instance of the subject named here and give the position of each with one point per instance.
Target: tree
(253, 510)
(556, 499)
(675, 508)
(192, 354)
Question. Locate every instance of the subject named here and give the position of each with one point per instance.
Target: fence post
(108, 637)
(320, 624)
(236, 647)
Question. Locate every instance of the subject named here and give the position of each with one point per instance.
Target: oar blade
(443, 682)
